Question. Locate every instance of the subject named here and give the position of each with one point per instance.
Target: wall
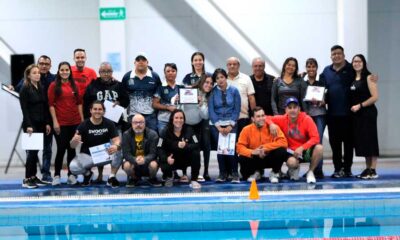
(170, 31)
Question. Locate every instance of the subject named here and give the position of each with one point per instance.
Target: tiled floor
(389, 171)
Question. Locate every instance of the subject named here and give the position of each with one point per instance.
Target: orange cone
(254, 191)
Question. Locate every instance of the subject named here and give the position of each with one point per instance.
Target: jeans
(47, 152)
(320, 121)
(226, 163)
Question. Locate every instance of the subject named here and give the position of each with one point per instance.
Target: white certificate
(99, 153)
(113, 113)
(226, 144)
(32, 142)
(188, 95)
(315, 93)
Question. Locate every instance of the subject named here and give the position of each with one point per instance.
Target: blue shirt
(338, 85)
(224, 107)
(141, 91)
(165, 94)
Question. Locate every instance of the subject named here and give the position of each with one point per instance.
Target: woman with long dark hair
(289, 84)
(36, 119)
(364, 94)
(178, 148)
(224, 109)
(66, 112)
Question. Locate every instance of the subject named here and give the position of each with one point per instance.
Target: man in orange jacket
(303, 139)
(257, 149)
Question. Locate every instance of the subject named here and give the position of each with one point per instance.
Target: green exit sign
(118, 13)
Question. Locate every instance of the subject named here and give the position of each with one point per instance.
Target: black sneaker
(373, 174)
(38, 182)
(338, 174)
(29, 183)
(221, 178)
(154, 182)
(366, 174)
(87, 179)
(113, 182)
(348, 174)
(131, 182)
(206, 177)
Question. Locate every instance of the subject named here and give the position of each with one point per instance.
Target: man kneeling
(139, 146)
(302, 136)
(96, 131)
(257, 149)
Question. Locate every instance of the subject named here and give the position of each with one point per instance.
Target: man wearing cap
(141, 83)
(302, 136)
(81, 74)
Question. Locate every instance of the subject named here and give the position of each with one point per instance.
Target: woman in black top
(178, 148)
(36, 119)
(364, 94)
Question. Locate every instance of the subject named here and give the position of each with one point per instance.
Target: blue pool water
(275, 229)
(225, 215)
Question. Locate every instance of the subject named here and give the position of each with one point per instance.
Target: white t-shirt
(245, 86)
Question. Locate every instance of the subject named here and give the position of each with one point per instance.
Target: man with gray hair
(246, 90)
(262, 83)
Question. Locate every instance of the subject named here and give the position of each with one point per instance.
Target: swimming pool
(223, 215)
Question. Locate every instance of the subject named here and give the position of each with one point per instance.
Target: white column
(352, 27)
(112, 37)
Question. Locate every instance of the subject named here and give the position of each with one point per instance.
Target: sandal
(184, 179)
(195, 185)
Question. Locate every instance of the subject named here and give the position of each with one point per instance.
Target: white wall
(170, 31)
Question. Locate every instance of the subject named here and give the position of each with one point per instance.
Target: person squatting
(271, 119)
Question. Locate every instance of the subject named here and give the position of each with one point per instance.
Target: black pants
(32, 158)
(202, 131)
(62, 140)
(274, 160)
(340, 131)
(182, 161)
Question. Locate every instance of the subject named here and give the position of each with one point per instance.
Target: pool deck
(388, 182)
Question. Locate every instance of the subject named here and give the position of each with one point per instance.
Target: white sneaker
(256, 176)
(273, 177)
(310, 177)
(56, 181)
(72, 180)
(294, 173)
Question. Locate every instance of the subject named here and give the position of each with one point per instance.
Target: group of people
(270, 118)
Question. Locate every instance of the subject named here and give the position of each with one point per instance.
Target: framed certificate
(315, 93)
(226, 144)
(99, 154)
(188, 95)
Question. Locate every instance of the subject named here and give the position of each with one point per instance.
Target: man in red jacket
(257, 149)
(303, 139)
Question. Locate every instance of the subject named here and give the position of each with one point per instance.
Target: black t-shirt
(93, 135)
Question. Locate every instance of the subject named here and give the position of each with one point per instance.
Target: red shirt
(83, 78)
(301, 133)
(66, 105)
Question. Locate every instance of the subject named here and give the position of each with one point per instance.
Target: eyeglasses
(44, 64)
(105, 72)
(138, 123)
